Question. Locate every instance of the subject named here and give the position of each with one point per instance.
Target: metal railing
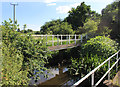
(62, 38)
(93, 71)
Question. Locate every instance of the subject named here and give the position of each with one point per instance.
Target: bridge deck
(60, 47)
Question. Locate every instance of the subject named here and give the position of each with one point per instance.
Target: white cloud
(51, 4)
(31, 26)
(65, 9)
(50, 1)
(62, 9)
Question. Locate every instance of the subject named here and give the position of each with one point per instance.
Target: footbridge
(59, 42)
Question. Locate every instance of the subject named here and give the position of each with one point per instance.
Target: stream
(56, 74)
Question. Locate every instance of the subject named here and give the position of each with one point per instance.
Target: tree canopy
(56, 27)
(111, 18)
(78, 16)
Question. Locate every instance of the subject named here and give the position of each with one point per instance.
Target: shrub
(100, 45)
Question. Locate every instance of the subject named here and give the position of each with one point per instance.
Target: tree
(78, 16)
(90, 27)
(36, 32)
(111, 19)
(56, 27)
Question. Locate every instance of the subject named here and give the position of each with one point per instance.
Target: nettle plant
(21, 56)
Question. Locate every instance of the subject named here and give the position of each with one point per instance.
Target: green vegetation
(74, 22)
(78, 16)
(100, 45)
(56, 27)
(90, 27)
(22, 55)
(111, 19)
(94, 52)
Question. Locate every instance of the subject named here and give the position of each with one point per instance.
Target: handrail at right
(90, 73)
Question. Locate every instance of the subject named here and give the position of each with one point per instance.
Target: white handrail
(60, 38)
(93, 71)
(54, 35)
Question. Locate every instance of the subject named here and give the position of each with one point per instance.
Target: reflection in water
(53, 72)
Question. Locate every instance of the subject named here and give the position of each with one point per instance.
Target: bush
(100, 45)
(21, 56)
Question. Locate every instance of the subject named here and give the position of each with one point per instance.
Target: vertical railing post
(57, 40)
(52, 40)
(46, 39)
(108, 69)
(81, 38)
(42, 37)
(92, 80)
(69, 39)
(75, 38)
(117, 63)
(61, 39)
(66, 39)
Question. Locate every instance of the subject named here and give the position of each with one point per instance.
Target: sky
(35, 13)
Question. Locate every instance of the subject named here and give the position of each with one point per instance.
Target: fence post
(75, 38)
(69, 39)
(57, 40)
(117, 63)
(92, 80)
(81, 38)
(108, 69)
(46, 39)
(52, 40)
(61, 39)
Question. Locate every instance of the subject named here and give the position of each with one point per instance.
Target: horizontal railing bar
(107, 72)
(53, 35)
(81, 80)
